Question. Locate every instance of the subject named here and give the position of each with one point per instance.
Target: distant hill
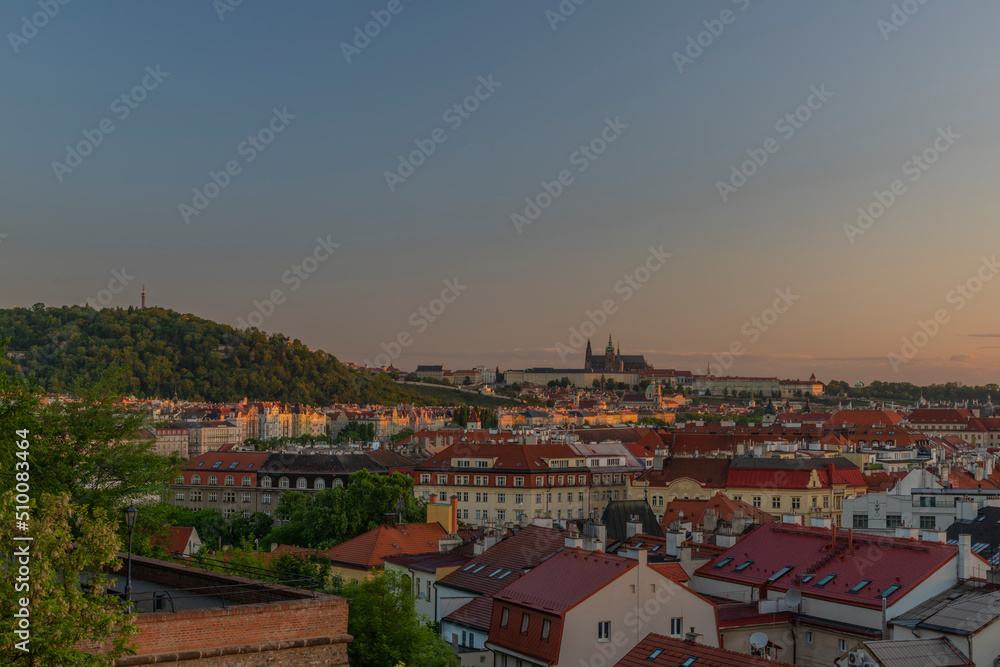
(163, 353)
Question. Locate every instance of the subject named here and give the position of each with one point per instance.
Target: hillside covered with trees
(163, 353)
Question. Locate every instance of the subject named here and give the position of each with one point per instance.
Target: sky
(772, 188)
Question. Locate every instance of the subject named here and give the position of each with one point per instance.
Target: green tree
(402, 435)
(402, 641)
(67, 542)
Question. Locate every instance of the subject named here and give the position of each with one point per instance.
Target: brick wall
(330, 652)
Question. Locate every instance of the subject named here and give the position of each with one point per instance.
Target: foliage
(340, 513)
(67, 542)
(949, 392)
(402, 435)
(404, 640)
(461, 416)
(163, 353)
(357, 432)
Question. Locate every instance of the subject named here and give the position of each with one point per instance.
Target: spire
(143, 296)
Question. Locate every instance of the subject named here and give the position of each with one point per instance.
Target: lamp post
(131, 513)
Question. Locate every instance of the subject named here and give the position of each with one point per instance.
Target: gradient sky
(323, 176)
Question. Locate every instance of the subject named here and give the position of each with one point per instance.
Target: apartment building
(220, 480)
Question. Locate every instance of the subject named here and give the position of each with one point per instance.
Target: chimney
(964, 556)
(739, 523)
(673, 543)
(453, 524)
(633, 526)
(574, 540)
(641, 557)
(433, 498)
(905, 533)
(692, 637)
(710, 520)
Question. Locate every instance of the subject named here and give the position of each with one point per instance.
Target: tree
(461, 415)
(67, 542)
(404, 640)
(402, 435)
(598, 383)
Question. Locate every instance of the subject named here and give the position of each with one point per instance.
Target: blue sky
(860, 296)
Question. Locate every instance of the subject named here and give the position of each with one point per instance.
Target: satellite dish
(758, 640)
(793, 598)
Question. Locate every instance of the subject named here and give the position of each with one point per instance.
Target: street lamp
(131, 514)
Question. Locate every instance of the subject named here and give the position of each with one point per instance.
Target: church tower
(609, 356)
(588, 359)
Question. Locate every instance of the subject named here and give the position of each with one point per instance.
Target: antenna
(793, 598)
(758, 641)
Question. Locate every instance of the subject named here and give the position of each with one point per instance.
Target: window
(482, 464)
(501, 515)
(283, 483)
(776, 502)
(582, 479)
(462, 480)
(814, 502)
(756, 501)
(538, 498)
(302, 483)
(809, 637)
(246, 481)
(842, 645)
(196, 479)
(796, 502)
(229, 497)
(860, 520)
(443, 480)
(779, 574)
(546, 626)
(539, 481)
(860, 586)
(722, 563)
(603, 631)
(425, 478)
(742, 566)
(928, 522)
(501, 481)
(337, 482)
(580, 496)
(246, 497)
(319, 485)
(179, 495)
(213, 480)
(230, 480)
(504, 615)
(479, 514)
(893, 521)
(196, 495)
(246, 514)
(265, 499)
(558, 497)
(825, 580)
(213, 496)
(826, 502)
(889, 591)
(524, 623)
(677, 626)
(465, 514)
(518, 481)
(518, 498)
(265, 482)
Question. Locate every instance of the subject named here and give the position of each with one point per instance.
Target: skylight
(233, 464)
(469, 567)
(825, 580)
(476, 571)
(780, 573)
(504, 574)
(742, 566)
(495, 573)
(806, 579)
(860, 585)
(655, 654)
(216, 464)
(889, 591)
(689, 662)
(722, 563)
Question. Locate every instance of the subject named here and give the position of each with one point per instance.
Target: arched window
(301, 483)
(283, 483)
(196, 479)
(319, 485)
(179, 479)
(265, 482)
(337, 482)
(246, 480)
(213, 480)
(230, 481)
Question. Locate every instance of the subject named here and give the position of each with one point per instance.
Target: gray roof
(798, 464)
(617, 515)
(916, 653)
(962, 610)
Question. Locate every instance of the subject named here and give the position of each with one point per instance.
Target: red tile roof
(175, 540)
(725, 508)
(864, 418)
(671, 571)
(884, 561)
(940, 416)
(475, 614)
(673, 652)
(369, 549)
